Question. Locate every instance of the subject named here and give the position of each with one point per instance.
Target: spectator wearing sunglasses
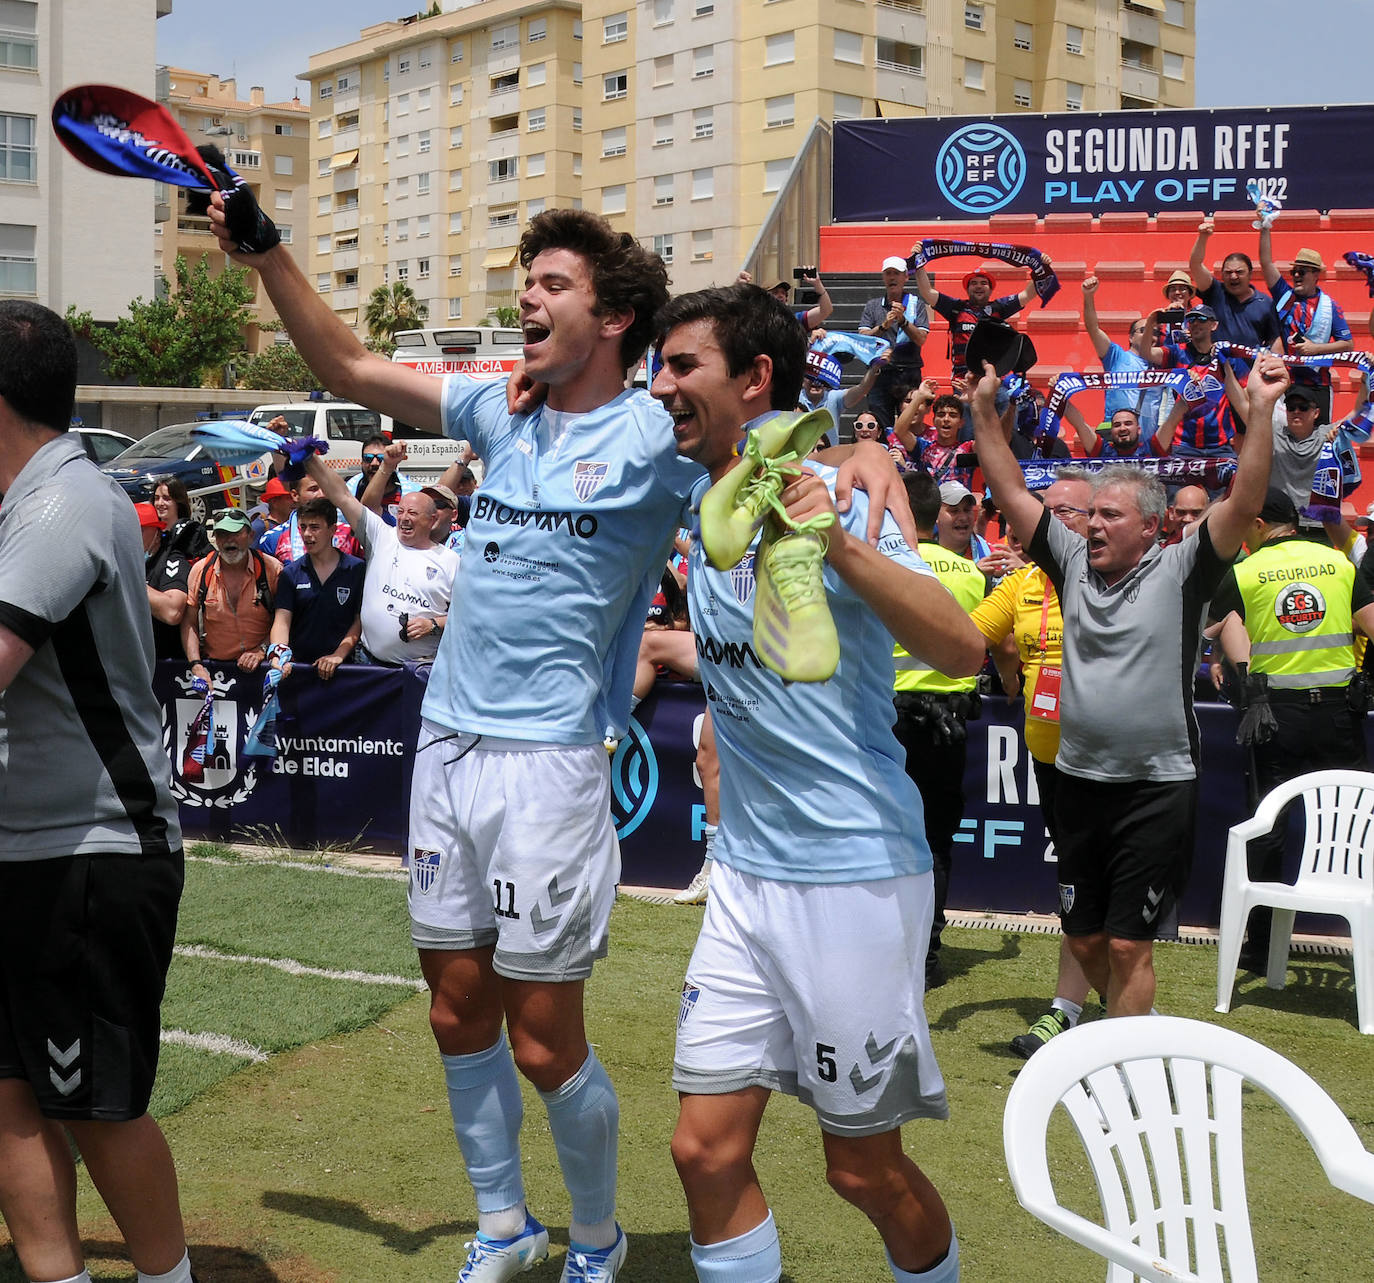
(396, 482)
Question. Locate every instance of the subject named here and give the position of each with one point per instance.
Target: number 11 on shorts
(506, 891)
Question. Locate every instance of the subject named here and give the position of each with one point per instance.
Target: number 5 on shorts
(825, 1062)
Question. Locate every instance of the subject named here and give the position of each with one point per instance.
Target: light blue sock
(484, 1097)
(945, 1271)
(751, 1257)
(584, 1117)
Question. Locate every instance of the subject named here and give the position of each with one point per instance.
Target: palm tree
(391, 308)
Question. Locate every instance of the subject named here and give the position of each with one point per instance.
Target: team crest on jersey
(1066, 891)
(424, 868)
(587, 477)
(690, 994)
(1203, 384)
(343, 594)
(1300, 608)
(742, 579)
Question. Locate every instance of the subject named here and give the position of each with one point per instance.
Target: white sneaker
(597, 1267)
(695, 891)
(493, 1260)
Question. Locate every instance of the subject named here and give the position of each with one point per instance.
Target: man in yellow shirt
(1024, 608)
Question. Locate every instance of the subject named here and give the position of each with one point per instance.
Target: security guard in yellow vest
(932, 709)
(1299, 602)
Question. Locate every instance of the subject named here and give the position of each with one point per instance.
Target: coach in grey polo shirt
(90, 851)
(1128, 752)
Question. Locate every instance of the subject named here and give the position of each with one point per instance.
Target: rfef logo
(634, 780)
(980, 168)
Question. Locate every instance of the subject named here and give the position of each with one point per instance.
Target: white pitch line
(338, 870)
(218, 1044)
(294, 968)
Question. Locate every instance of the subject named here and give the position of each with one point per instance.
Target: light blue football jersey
(567, 541)
(813, 786)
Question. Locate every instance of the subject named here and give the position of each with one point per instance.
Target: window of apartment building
(779, 111)
(577, 120)
(1021, 93)
(847, 107)
(325, 90)
(502, 170)
(614, 28)
(779, 47)
(663, 131)
(663, 247)
(422, 227)
(615, 85)
(775, 173)
(349, 240)
(402, 66)
(1022, 35)
(455, 265)
(402, 229)
(973, 17)
(536, 120)
(1073, 39)
(403, 104)
(423, 142)
(455, 180)
(322, 244)
(1073, 96)
(502, 125)
(422, 268)
(537, 166)
(535, 206)
(973, 73)
(422, 183)
(386, 193)
(455, 309)
(402, 186)
(703, 122)
(703, 62)
(613, 199)
(537, 30)
(663, 189)
(703, 184)
(402, 145)
(1173, 66)
(324, 129)
(537, 73)
(324, 282)
(455, 95)
(18, 36)
(345, 83)
(613, 142)
(506, 37)
(18, 259)
(403, 271)
(426, 57)
(849, 46)
(895, 55)
(284, 231)
(455, 136)
(704, 8)
(280, 164)
(1173, 13)
(577, 73)
(324, 167)
(455, 222)
(324, 204)
(252, 160)
(505, 83)
(577, 164)
(423, 98)
(347, 120)
(703, 242)
(577, 28)
(663, 70)
(663, 12)
(282, 131)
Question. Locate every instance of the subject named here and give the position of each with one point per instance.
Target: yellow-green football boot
(794, 632)
(733, 509)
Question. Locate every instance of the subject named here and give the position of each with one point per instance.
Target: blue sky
(1241, 46)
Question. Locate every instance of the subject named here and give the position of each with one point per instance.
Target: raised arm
(822, 307)
(337, 492)
(329, 347)
(913, 413)
(921, 280)
(1087, 435)
(1230, 519)
(999, 466)
(1100, 341)
(1028, 289)
(380, 482)
(1197, 267)
(855, 395)
(1266, 256)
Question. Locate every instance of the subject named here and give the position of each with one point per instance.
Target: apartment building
(267, 144)
(433, 141)
(69, 235)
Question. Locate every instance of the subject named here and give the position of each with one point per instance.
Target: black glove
(1257, 723)
(252, 230)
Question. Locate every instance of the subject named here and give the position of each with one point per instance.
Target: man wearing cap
(1291, 610)
(1243, 313)
(230, 598)
(932, 708)
(1205, 426)
(167, 574)
(963, 314)
(1313, 323)
(1298, 442)
(901, 318)
(821, 389)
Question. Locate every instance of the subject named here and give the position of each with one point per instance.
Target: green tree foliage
(508, 316)
(277, 366)
(391, 308)
(172, 342)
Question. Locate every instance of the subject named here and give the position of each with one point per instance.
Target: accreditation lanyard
(1044, 701)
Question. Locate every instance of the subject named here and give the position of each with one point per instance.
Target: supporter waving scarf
(1362, 263)
(199, 734)
(1338, 472)
(1184, 382)
(867, 347)
(1362, 361)
(1046, 282)
(1214, 474)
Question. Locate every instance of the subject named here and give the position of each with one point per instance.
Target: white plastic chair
(1156, 1101)
(1336, 876)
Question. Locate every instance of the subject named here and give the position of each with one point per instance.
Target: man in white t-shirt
(409, 580)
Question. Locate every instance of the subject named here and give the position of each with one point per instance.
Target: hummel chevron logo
(62, 1059)
(559, 898)
(540, 923)
(1151, 911)
(65, 1085)
(862, 1084)
(877, 1054)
